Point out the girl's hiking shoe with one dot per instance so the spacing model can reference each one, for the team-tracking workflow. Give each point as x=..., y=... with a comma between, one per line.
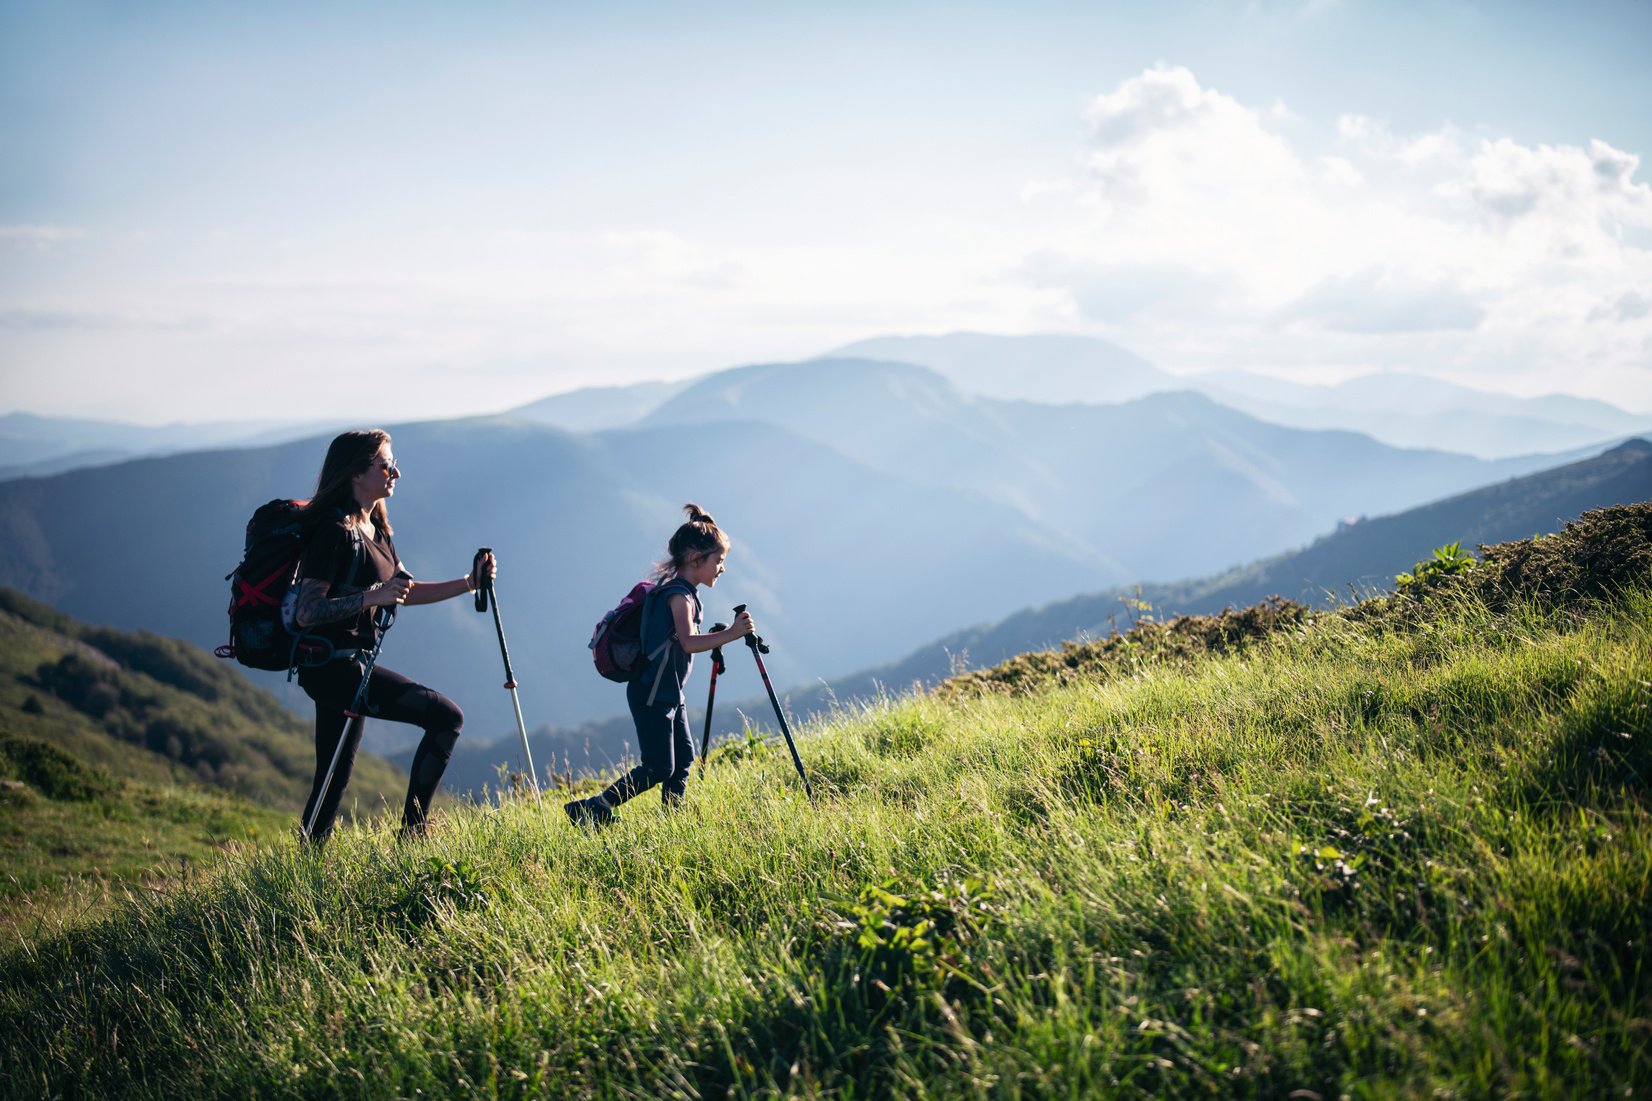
x=592, y=813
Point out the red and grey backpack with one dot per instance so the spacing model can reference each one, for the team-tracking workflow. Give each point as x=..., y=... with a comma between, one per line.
x=617, y=645
x=261, y=592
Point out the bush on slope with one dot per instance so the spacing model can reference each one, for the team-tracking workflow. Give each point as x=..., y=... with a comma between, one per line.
x=1592, y=559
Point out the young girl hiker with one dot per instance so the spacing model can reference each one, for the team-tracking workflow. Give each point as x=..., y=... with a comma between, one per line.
x=672, y=613
x=350, y=568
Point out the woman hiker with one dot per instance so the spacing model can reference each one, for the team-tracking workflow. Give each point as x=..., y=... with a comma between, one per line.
x=349, y=569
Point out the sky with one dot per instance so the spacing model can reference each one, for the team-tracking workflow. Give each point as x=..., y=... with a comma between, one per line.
x=226, y=211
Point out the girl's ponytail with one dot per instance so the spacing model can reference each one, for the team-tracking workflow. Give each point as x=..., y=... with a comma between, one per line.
x=698, y=536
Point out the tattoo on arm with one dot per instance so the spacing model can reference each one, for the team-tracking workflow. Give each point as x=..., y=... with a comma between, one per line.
x=313, y=607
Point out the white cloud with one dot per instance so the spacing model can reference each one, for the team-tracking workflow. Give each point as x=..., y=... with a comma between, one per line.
x=1340, y=171
x=1577, y=186
x=1380, y=302
x=36, y=318
x=1198, y=229
x=40, y=235
x=1117, y=293
x=1161, y=136
x=1200, y=234
x=669, y=257
x=1629, y=306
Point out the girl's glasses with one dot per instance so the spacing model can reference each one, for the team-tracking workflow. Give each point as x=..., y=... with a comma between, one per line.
x=389, y=467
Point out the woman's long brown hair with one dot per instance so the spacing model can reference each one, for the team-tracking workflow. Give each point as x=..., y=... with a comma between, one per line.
x=349, y=454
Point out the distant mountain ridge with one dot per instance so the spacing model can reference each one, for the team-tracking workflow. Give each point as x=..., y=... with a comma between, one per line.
x=855, y=491
x=595, y=408
x=1414, y=411
x=1164, y=486
x=37, y=446
x=1398, y=408
x=1052, y=369
x=1358, y=559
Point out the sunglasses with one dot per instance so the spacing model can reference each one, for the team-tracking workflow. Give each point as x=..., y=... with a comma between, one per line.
x=389, y=467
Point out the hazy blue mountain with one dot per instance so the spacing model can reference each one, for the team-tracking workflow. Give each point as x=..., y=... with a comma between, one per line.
x=1403, y=390
x=1359, y=558
x=32, y=446
x=1166, y=486
x=892, y=416
x=1397, y=408
x=1043, y=368
x=822, y=545
x=597, y=407
x=1414, y=411
x=1481, y=434
x=72, y=460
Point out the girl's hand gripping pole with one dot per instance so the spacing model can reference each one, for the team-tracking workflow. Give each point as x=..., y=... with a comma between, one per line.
x=717, y=668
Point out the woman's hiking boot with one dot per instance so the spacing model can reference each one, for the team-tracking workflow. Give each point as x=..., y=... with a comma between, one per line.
x=590, y=813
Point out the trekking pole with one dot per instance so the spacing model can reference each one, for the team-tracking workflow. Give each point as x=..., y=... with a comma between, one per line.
x=711, y=696
x=758, y=649
x=382, y=619
x=486, y=595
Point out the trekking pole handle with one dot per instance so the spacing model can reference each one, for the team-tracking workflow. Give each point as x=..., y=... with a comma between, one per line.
x=754, y=640
x=477, y=585
x=717, y=651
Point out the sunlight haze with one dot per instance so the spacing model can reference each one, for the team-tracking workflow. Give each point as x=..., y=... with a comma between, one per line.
x=389, y=212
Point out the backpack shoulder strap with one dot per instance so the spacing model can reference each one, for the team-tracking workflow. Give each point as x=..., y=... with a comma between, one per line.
x=358, y=553
x=660, y=656
x=648, y=601
x=676, y=587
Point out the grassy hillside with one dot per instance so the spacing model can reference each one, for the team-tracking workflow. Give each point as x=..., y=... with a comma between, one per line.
x=128, y=758
x=1403, y=850
x=155, y=709
x=75, y=839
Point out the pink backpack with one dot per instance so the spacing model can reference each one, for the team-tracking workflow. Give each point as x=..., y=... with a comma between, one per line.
x=616, y=644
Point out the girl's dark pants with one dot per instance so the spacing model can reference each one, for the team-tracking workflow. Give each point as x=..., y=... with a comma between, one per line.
x=662, y=737
x=389, y=696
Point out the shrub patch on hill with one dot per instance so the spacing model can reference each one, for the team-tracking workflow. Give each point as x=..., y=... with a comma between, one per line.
x=1180, y=641
x=1590, y=561
x=50, y=771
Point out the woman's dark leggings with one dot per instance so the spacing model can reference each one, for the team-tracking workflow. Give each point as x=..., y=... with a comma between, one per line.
x=667, y=749
x=390, y=696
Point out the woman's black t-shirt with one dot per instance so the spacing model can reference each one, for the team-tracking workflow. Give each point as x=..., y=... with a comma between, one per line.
x=333, y=556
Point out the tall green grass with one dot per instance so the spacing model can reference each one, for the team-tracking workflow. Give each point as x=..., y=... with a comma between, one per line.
x=1351, y=860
